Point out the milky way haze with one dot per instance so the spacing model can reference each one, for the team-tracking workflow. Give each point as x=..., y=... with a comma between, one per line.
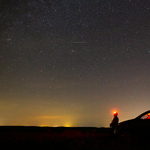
x=71, y=62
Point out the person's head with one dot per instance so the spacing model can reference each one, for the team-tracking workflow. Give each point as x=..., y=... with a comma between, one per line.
x=115, y=115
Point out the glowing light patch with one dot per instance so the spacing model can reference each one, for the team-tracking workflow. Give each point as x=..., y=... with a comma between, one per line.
x=43, y=126
x=115, y=112
x=67, y=125
x=148, y=114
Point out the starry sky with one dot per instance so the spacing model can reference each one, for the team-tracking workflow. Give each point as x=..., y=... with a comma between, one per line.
x=72, y=62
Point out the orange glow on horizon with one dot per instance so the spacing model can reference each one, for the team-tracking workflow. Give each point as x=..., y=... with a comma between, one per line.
x=67, y=125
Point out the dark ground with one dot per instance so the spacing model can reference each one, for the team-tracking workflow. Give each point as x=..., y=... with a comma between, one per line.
x=60, y=138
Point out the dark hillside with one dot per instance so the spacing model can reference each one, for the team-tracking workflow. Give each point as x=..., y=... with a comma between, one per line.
x=20, y=137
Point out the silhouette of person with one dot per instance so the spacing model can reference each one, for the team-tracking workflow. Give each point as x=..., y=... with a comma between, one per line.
x=113, y=124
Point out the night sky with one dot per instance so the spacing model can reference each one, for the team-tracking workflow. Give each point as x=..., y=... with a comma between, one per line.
x=72, y=62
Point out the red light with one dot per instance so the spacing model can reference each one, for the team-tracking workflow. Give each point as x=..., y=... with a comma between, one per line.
x=115, y=112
